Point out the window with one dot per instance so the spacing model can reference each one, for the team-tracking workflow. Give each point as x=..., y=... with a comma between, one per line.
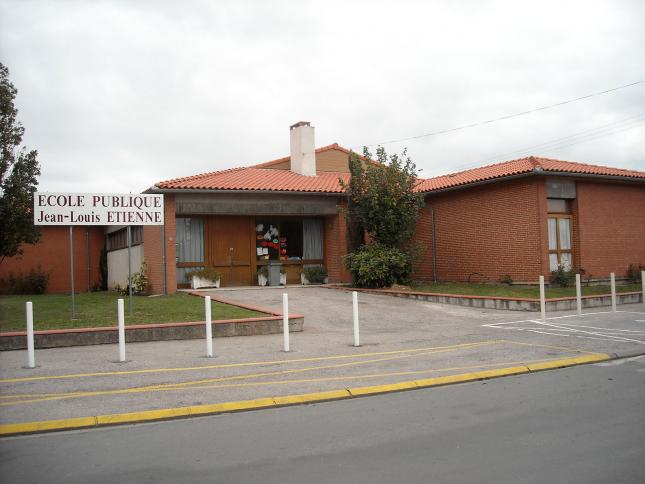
x=119, y=239
x=560, y=252
x=190, y=246
x=289, y=239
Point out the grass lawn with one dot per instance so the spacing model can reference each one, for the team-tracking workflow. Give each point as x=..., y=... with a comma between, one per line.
x=504, y=290
x=53, y=311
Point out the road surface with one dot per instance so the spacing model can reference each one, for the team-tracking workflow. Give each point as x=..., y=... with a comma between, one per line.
x=576, y=425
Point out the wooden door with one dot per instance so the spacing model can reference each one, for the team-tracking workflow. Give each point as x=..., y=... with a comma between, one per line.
x=229, y=249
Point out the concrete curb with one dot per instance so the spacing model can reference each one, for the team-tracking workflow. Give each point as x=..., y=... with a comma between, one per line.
x=7, y=430
x=137, y=333
x=503, y=303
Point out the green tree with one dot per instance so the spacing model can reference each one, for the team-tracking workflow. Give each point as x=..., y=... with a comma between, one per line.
x=382, y=200
x=355, y=228
x=18, y=171
x=382, y=203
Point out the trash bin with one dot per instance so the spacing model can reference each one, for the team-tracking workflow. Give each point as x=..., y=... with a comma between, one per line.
x=274, y=272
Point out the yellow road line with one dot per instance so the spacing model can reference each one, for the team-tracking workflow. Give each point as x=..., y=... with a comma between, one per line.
x=172, y=387
x=168, y=413
x=151, y=388
x=575, y=350
x=234, y=365
x=528, y=364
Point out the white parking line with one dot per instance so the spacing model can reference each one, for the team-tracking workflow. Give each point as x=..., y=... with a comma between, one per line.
x=570, y=329
x=635, y=331
x=553, y=317
x=606, y=335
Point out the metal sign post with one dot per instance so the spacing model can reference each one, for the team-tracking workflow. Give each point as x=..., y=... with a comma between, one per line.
x=129, y=269
x=71, y=268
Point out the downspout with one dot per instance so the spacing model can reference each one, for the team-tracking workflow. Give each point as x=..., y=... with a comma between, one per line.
x=434, y=247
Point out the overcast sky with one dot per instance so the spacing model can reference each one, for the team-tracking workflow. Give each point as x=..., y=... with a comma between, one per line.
x=117, y=95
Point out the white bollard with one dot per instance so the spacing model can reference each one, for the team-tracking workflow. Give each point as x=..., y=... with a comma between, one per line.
x=285, y=321
x=209, y=327
x=578, y=295
x=31, y=357
x=643, y=284
x=542, y=299
x=355, y=314
x=612, y=277
x=121, y=330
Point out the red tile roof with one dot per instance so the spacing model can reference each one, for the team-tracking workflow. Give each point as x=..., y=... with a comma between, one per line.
x=262, y=177
x=252, y=178
x=520, y=167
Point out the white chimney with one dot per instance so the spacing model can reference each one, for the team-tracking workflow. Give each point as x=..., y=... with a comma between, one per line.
x=303, y=149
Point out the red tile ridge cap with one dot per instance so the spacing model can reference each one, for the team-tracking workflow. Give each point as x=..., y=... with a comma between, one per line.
x=626, y=171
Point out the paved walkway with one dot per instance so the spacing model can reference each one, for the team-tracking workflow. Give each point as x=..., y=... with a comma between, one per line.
x=402, y=340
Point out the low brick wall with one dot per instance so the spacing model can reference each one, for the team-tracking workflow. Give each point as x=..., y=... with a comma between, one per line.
x=269, y=324
x=507, y=303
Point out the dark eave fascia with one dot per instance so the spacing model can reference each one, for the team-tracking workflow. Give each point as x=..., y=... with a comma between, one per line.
x=534, y=173
x=629, y=179
x=206, y=191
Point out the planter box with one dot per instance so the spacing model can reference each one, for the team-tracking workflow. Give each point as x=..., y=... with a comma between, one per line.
x=262, y=280
x=198, y=283
x=305, y=282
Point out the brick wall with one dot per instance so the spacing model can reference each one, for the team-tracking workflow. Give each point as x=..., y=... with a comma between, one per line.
x=611, y=226
x=153, y=251
x=52, y=255
x=485, y=232
x=336, y=245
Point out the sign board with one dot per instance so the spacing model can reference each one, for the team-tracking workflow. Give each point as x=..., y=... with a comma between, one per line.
x=97, y=209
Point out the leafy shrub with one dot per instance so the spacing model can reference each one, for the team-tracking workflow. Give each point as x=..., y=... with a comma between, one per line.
x=584, y=275
x=634, y=272
x=139, y=282
x=34, y=282
x=506, y=279
x=378, y=266
x=209, y=273
x=315, y=274
x=140, y=279
x=263, y=271
x=562, y=276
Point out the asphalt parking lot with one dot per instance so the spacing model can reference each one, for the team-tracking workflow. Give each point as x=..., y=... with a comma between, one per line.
x=401, y=340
